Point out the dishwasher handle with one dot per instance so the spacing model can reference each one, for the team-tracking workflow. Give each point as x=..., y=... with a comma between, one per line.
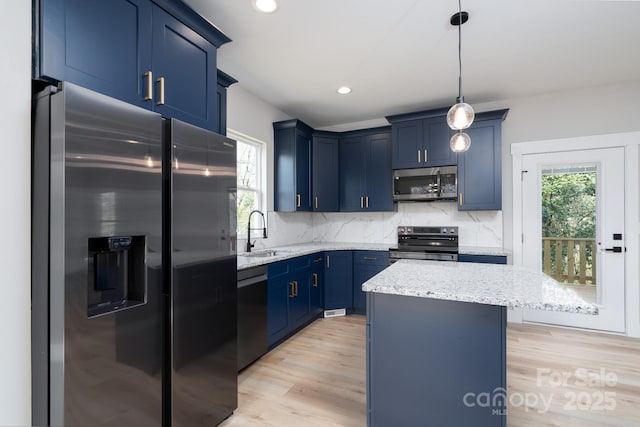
x=252, y=281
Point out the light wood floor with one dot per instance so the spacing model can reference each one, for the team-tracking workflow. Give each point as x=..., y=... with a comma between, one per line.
x=317, y=378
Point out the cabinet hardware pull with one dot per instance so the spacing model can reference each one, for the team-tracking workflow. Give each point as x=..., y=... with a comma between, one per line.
x=317, y=260
x=291, y=292
x=460, y=199
x=316, y=202
x=419, y=161
x=315, y=280
x=149, y=78
x=161, y=92
x=370, y=258
x=328, y=263
x=297, y=200
x=361, y=202
x=366, y=202
x=295, y=288
x=425, y=155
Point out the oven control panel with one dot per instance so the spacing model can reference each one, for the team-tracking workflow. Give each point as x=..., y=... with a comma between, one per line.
x=443, y=231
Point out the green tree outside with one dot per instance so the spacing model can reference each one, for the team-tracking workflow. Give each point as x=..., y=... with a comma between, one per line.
x=569, y=212
x=569, y=205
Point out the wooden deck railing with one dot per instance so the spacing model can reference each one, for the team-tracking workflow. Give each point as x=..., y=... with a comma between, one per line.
x=570, y=260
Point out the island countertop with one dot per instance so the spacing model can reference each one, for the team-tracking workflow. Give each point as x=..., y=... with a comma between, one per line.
x=503, y=285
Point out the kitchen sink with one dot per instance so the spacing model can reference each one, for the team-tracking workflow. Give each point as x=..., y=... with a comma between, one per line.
x=260, y=254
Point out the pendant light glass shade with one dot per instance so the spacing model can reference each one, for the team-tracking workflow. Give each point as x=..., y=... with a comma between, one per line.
x=460, y=116
x=460, y=142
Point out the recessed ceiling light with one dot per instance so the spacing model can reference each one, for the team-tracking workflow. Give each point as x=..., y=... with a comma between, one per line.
x=344, y=90
x=265, y=6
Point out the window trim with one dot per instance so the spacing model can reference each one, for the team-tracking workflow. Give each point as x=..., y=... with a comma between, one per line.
x=261, y=182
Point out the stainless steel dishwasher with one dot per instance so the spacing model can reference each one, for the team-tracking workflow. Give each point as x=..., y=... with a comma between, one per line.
x=252, y=315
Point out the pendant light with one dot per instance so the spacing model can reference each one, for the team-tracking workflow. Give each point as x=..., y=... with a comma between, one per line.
x=460, y=115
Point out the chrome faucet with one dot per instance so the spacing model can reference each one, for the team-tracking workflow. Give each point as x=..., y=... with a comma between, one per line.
x=264, y=229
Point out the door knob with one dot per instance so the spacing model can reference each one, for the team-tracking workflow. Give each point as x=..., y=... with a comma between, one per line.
x=616, y=249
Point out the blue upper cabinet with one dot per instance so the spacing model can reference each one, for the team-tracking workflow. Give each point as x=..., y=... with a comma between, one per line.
x=101, y=45
x=352, y=173
x=407, y=144
x=325, y=180
x=421, y=140
x=185, y=74
x=365, y=171
x=436, y=149
x=292, y=166
x=480, y=168
x=224, y=81
x=379, y=175
x=159, y=55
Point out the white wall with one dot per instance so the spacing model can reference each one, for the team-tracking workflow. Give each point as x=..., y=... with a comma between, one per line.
x=251, y=116
x=15, y=303
x=589, y=111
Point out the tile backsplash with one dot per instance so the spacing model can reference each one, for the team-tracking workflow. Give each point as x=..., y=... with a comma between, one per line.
x=476, y=228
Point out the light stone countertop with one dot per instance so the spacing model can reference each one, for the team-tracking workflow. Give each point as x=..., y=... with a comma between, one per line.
x=292, y=251
x=504, y=285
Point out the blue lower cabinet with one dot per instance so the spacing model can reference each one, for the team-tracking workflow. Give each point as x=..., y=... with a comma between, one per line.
x=278, y=323
x=483, y=259
x=433, y=362
x=299, y=299
x=294, y=295
x=338, y=280
x=317, y=284
x=366, y=264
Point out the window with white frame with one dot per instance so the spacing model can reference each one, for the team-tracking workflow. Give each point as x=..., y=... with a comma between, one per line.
x=251, y=185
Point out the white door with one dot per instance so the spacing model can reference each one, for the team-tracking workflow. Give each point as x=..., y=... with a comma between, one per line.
x=573, y=230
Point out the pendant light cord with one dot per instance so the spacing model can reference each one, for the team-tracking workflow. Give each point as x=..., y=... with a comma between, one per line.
x=460, y=48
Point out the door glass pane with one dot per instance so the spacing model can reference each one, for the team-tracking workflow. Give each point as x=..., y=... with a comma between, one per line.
x=569, y=226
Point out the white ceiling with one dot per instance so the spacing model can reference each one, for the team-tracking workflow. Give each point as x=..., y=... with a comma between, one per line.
x=401, y=55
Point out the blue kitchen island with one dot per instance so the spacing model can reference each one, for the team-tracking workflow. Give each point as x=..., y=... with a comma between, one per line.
x=436, y=339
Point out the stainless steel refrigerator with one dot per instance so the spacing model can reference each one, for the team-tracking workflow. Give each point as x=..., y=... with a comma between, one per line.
x=133, y=266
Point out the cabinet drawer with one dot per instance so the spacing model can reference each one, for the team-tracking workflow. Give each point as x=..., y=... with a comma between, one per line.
x=300, y=263
x=317, y=259
x=371, y=257
x=280, y=268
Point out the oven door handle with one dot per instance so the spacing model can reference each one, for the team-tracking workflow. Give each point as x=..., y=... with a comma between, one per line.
x=447, y=238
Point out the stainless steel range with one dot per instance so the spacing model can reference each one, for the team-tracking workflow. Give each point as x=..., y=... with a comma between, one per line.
x=429, y=243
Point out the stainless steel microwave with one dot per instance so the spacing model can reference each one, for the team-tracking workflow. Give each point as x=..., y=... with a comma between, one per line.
x=424, y=184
